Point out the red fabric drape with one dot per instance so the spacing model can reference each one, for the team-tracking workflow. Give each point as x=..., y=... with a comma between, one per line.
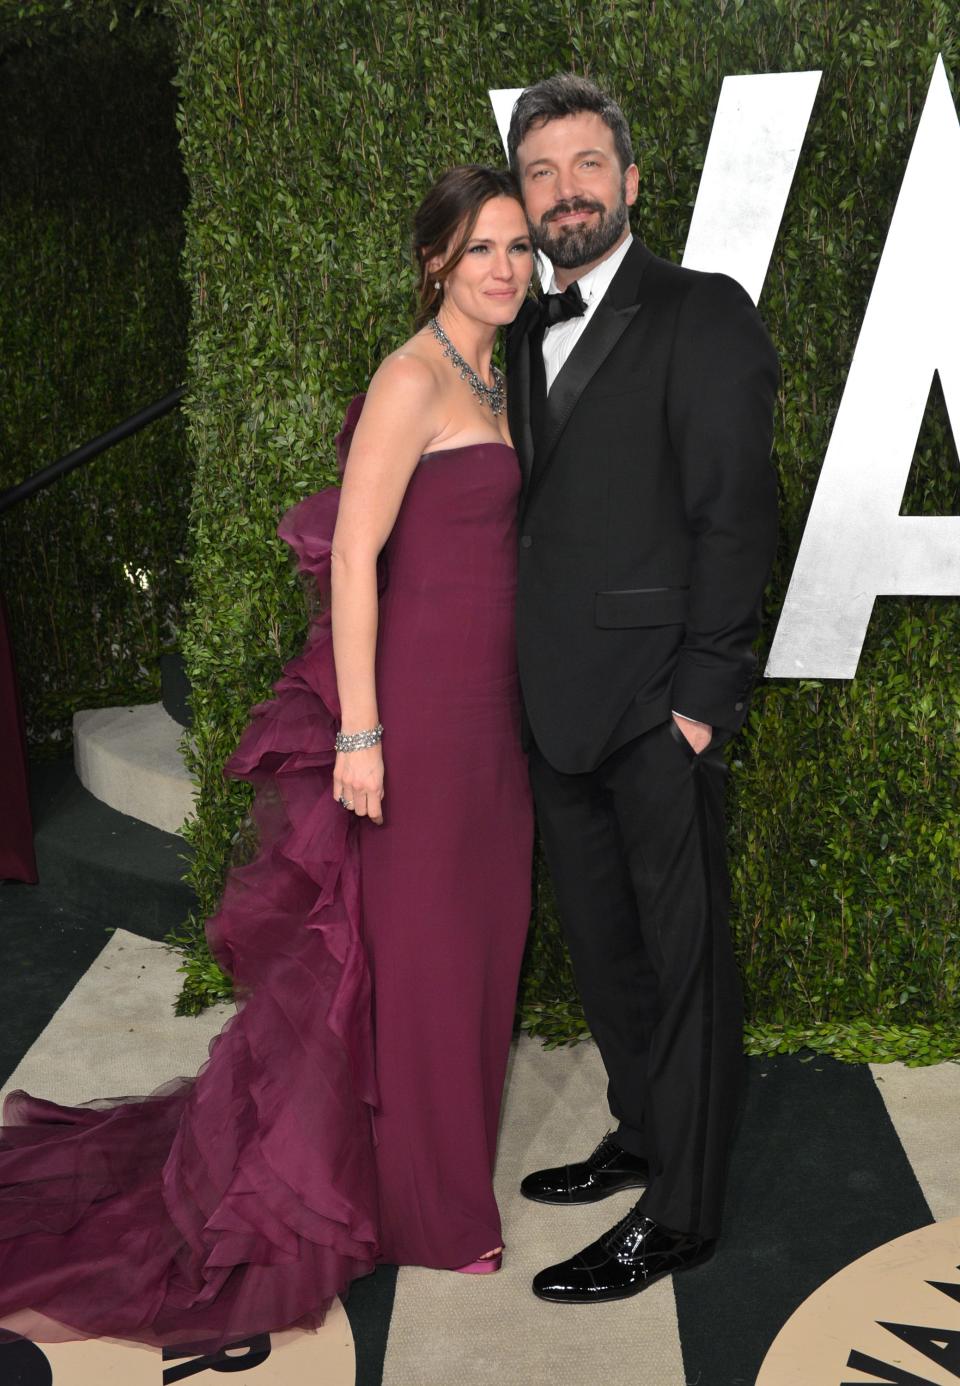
x=17, y=859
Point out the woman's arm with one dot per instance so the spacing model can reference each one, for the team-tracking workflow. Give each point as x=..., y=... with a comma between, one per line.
x=395, y=427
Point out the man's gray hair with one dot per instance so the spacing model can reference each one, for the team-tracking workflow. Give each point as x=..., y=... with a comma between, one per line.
x=567, y=94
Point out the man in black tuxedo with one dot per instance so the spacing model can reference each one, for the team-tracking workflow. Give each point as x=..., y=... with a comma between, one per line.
x=641, y=406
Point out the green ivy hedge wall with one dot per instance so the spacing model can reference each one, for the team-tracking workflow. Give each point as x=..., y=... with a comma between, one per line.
x=93, y=321
x=308, y=133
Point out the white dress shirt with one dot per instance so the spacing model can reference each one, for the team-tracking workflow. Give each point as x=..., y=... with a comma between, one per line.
x=560, y=339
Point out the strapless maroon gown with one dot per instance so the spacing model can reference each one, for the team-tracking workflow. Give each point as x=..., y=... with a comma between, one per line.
x=347, y=1113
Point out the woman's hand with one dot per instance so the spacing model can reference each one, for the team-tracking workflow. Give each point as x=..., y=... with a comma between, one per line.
x=358, y=778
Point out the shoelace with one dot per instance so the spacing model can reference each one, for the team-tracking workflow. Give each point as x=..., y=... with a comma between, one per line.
x=601, y=1154
x=623, y=1235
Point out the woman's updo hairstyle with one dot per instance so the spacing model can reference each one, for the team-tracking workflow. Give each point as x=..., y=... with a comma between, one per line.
x=444, y=223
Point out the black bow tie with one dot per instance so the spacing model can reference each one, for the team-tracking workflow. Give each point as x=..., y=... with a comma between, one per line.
x=556, y=308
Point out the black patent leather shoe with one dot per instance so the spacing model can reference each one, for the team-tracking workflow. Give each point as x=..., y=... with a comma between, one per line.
x=608, y=1170
x=635, y=1253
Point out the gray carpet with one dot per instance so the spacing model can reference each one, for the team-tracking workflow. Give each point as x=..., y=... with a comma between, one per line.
x=116, y=1034
x=488, y=1330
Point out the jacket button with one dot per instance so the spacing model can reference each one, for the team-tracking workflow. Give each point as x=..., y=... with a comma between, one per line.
x=738, y=707
x=526, y=541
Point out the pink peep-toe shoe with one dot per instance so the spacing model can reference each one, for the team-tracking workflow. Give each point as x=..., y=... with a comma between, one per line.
x=486, y=1266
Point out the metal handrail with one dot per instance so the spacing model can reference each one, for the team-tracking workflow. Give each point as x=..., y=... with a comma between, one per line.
x=49, y=474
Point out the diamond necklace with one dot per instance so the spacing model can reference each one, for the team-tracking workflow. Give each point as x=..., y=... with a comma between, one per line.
x=494, y=394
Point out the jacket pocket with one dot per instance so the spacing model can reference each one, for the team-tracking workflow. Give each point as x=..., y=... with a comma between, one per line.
x=641, y=606
x=684, y=744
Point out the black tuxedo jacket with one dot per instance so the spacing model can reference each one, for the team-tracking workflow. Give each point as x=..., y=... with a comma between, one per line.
x=648, y=510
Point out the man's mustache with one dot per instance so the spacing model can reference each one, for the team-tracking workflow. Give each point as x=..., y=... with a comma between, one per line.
x=576, y=204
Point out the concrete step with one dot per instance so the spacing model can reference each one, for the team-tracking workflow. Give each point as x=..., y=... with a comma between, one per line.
x=129, y=758
x=99, y=870
x=119, y=871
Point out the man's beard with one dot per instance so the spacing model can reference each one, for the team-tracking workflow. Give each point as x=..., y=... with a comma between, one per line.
x=573, y=246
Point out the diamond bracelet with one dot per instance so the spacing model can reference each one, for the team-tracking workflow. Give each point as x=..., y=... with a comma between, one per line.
x=358, y=741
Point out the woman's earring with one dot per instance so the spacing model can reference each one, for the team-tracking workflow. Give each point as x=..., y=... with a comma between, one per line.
x=436, y=283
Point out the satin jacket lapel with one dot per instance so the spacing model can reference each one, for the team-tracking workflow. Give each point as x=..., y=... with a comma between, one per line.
x=518, y=386
x=611, y=319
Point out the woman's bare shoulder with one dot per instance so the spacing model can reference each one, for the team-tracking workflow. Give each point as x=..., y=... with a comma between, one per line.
x=404, y=394
x=411, y=369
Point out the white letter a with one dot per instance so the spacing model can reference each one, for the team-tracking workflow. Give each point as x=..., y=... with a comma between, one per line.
x=856, y=545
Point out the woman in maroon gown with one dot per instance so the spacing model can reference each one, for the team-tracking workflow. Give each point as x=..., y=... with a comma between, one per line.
x=347, y=1114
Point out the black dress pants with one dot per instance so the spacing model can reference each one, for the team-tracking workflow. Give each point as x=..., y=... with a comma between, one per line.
x=637, y=853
